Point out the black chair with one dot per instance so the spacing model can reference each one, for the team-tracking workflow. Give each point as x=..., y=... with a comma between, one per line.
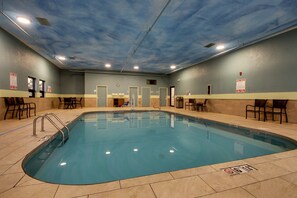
x=61, y=103
x=256, y=108
x=11, y=106
x=201, y=105
x=191, y=104
x=21, y=107
x=278, y=107
x=78, y=102
x=31, y=106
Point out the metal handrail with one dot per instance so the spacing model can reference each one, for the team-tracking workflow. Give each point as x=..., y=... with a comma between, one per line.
x=57, y=118
x=52, y=122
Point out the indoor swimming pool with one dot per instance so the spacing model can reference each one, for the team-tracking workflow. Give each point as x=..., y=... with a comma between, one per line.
x=109, y=146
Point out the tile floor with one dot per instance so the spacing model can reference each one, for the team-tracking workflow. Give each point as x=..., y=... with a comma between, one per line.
x=276, y=175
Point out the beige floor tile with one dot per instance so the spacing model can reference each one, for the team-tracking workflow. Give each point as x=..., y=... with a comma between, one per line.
x=145, y=180
x=34, y=191
x=261, y=159
x=15, y=168
x=79, y=190
x=4, y=168
x=228, y=164
x=287, y=163
x=9, y=181
x=7, y=150
x=138, y=191
x=27, y=181
x=267, y=171
x=292, y=178
x=192, y=171
x=221, y=181
x=234, y=193
x=184, y=187
x=273, y=188
x=287, y=154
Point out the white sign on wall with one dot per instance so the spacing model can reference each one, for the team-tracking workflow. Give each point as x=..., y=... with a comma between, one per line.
x=240, y=85
x=13, y=80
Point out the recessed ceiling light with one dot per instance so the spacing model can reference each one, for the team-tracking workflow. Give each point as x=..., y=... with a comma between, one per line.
x=62, y=58
x=107, y=152
x=24, y=20
x=171, y=151
x=135, y=150
x=63, y=163
x=220, y=47
x=172, y=66
x=107, y=65
x=136, y=67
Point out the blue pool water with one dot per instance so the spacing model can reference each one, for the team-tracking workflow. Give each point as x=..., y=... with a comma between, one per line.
x=112, y=146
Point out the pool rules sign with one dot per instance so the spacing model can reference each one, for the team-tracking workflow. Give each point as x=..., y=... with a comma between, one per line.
x=13, y=80
x=240, y=85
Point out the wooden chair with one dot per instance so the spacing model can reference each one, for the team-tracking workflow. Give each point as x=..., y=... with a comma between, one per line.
x=201, y=105
x=278, y=107
x=61, y=103
x=191, y=104
x=11, y=106
x=256, y=108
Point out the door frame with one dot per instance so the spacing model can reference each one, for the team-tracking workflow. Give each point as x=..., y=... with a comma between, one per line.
x=170, y=99
x=137, y=94
x=106, y=105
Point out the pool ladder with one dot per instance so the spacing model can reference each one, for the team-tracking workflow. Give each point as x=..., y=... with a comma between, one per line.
x=47, y=116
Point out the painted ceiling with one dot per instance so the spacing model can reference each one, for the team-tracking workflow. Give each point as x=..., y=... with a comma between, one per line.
x=153, y=34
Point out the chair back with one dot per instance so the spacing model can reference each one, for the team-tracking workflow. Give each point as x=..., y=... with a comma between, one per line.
x=9, y=101
x=19, y=101
x=192, y=100
x=279, y=103
x=260, y=103
x=205, y=101
x=60, y=99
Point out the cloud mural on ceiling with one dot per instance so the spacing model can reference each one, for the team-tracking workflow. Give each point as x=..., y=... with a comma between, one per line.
x=153, y=34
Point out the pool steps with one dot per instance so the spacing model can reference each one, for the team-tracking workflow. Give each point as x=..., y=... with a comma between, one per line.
x=47, y=116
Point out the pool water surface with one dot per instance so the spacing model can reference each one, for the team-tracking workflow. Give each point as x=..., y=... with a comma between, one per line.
x=108, y=146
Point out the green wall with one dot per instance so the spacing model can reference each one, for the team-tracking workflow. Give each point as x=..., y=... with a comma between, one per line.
x=119, y=83
x=72, y=82
x=268, y=66
x=20, y=59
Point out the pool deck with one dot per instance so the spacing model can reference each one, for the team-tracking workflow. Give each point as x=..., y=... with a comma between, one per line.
x=276, y=174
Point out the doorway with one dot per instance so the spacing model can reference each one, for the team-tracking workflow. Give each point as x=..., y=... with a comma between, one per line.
x=101, y=96
x=133, y=96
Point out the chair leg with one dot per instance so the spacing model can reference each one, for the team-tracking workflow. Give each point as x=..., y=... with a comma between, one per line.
x=286, y=115
x=281, y=116
x=7, y=112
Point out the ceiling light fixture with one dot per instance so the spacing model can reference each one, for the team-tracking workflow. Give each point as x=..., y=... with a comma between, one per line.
x=24, y=20
x=172, y=66
x=136, y=67
x=62, y=58
x=220, y=47
x=108, y=65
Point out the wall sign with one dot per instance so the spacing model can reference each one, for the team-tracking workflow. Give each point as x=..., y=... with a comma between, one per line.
x=13, y=80
x=49, y=88
x=240, y=85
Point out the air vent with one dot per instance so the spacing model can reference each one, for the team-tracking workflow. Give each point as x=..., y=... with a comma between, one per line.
x=209, y=45
x=43, y=21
